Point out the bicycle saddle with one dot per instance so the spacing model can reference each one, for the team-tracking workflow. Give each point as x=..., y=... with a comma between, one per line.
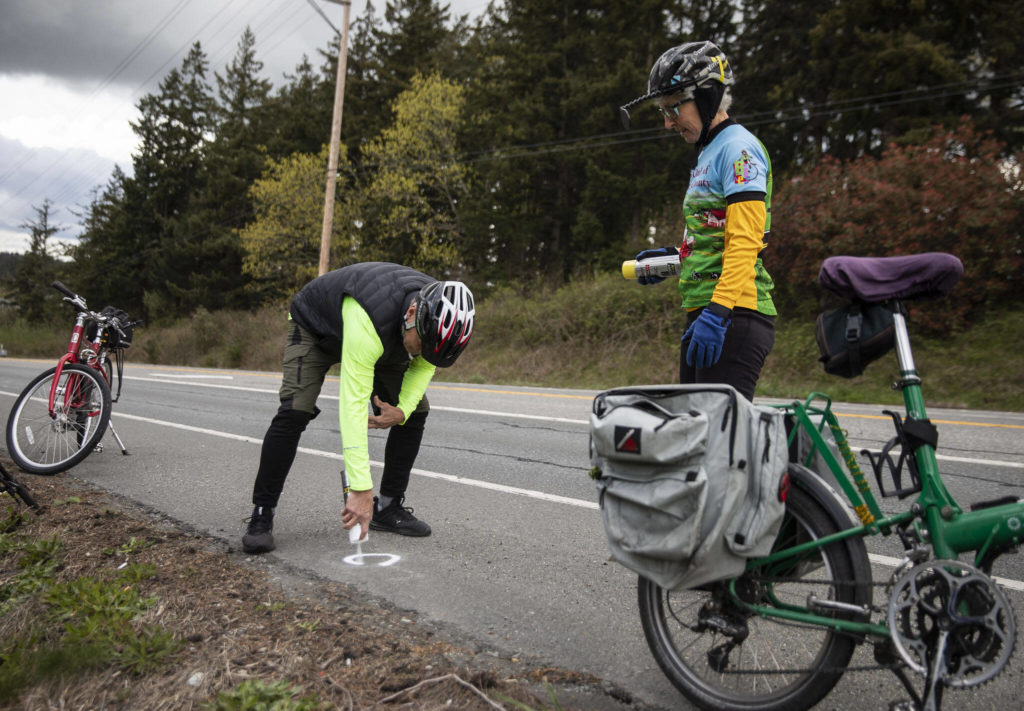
x=874, y=279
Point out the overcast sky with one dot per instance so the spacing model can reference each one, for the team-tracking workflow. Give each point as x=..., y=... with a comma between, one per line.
x=72, y=71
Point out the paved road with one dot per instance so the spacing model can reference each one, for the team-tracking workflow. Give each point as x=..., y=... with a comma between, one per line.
x=518, y=560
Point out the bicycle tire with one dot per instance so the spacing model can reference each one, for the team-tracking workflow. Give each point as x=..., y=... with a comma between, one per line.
x=753, y=678
x=41, y=444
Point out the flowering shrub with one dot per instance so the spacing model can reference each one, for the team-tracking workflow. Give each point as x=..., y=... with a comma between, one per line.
x=958, y=192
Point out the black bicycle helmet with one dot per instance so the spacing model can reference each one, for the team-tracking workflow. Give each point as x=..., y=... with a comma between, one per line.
x=698, y=71
x=444, y=321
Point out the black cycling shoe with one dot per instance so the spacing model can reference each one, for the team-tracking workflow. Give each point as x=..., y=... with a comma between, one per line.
x=397, y=519
x=259, y=537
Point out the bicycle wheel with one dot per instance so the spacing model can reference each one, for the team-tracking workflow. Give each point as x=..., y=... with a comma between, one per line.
x=45, y=444
x=722, y=657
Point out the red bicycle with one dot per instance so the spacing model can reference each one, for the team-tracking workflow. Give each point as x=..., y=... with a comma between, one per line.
x=63, y=413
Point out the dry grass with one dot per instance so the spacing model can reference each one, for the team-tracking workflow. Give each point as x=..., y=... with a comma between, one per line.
x=235, y=624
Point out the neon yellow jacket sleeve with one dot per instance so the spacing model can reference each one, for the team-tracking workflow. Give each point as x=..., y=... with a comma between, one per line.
x=414, y=385
x=744, y=239
x=360, y=350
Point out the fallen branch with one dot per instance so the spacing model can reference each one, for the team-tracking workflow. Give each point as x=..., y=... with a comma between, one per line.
x=448, y=677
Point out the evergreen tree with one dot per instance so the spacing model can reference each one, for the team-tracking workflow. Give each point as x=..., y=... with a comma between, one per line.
x=845, y=79
x=300, y=113
x=108, y=253
x=414, y=37
x=37, y=269
x=204, y=259
x=548, y=76
x=169, y=174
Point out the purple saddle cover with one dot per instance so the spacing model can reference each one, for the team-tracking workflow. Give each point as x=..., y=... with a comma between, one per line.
x=874, y=279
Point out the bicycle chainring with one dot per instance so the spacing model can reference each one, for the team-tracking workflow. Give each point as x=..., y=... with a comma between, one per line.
x=952, y=606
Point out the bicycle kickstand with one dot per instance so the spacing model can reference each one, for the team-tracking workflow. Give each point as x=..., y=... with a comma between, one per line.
x=110, y=426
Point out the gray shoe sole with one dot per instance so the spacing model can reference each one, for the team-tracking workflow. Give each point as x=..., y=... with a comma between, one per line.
x=258, y=544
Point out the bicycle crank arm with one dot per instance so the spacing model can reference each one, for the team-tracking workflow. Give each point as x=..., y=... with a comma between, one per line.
x=933, y=684
x=818, y=605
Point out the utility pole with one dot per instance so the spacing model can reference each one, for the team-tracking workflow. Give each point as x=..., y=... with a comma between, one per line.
x=332, y=162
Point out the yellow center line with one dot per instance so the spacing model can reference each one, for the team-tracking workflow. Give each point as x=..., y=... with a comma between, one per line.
x=565, y=396
x=841, y=415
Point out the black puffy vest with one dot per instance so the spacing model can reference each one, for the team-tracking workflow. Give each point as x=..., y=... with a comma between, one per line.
x=383, y=289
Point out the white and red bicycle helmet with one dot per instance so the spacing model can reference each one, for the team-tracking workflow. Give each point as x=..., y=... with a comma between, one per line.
x=444, y=321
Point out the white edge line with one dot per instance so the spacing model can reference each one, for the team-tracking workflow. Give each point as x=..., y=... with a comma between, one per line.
x=544, y=418
x=530, y=493
x=189, y=376
x=887, y=561
x=891, y=562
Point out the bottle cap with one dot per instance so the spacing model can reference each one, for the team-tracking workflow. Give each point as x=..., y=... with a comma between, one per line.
x=354, y=533
x=629, y=269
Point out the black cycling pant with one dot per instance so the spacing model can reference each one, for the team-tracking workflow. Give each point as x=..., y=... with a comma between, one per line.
x=748, y=341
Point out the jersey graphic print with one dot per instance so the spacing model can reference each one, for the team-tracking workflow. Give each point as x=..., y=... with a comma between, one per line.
x=744, y=169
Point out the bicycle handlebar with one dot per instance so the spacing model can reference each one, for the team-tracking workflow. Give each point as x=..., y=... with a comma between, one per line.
x=64, y=290
x=79, y=303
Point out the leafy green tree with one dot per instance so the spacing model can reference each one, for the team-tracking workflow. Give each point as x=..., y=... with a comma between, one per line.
x=413, y=181
x=413, y=37
x=37, y=269
x=282, y=245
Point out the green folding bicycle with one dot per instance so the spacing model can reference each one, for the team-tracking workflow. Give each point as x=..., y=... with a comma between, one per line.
x=782, y=635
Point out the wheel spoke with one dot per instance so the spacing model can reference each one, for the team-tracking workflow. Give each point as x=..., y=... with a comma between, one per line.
x=723, y=657
x=43, y=444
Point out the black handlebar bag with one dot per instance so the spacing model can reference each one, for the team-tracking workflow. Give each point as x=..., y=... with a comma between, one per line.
x=115, y=339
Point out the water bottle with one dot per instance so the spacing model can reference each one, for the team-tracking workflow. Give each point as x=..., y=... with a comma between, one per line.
x=666, y=266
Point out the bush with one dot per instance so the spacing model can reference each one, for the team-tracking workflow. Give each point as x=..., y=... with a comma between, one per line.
x=956, y=193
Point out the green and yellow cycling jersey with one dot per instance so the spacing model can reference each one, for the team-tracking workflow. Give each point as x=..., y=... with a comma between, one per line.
x=728, y=217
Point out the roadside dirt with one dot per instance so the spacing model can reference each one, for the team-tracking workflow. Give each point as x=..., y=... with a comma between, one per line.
x=241, y=618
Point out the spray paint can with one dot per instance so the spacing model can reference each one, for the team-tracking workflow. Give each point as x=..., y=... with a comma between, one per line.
x=664, y=266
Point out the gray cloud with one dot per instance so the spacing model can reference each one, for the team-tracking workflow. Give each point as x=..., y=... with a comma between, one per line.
x=90, y=42
x=65, y=177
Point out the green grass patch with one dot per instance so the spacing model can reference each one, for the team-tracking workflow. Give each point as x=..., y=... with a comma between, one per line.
x=257, y=695
x=54, y=628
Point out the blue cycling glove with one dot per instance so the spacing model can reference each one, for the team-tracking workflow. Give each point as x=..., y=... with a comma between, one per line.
x=706, y=336
x=659, y=252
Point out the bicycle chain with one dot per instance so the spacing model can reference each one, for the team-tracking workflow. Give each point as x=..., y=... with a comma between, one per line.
x=894, y=667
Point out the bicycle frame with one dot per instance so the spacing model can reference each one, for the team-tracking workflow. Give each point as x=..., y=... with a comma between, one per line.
x=936, y=519
x=71, y=356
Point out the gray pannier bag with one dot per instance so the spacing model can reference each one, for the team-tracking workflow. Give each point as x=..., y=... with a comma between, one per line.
x=689, y=480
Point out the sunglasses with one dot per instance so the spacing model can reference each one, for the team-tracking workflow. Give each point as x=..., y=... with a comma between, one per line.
x=673, y=108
